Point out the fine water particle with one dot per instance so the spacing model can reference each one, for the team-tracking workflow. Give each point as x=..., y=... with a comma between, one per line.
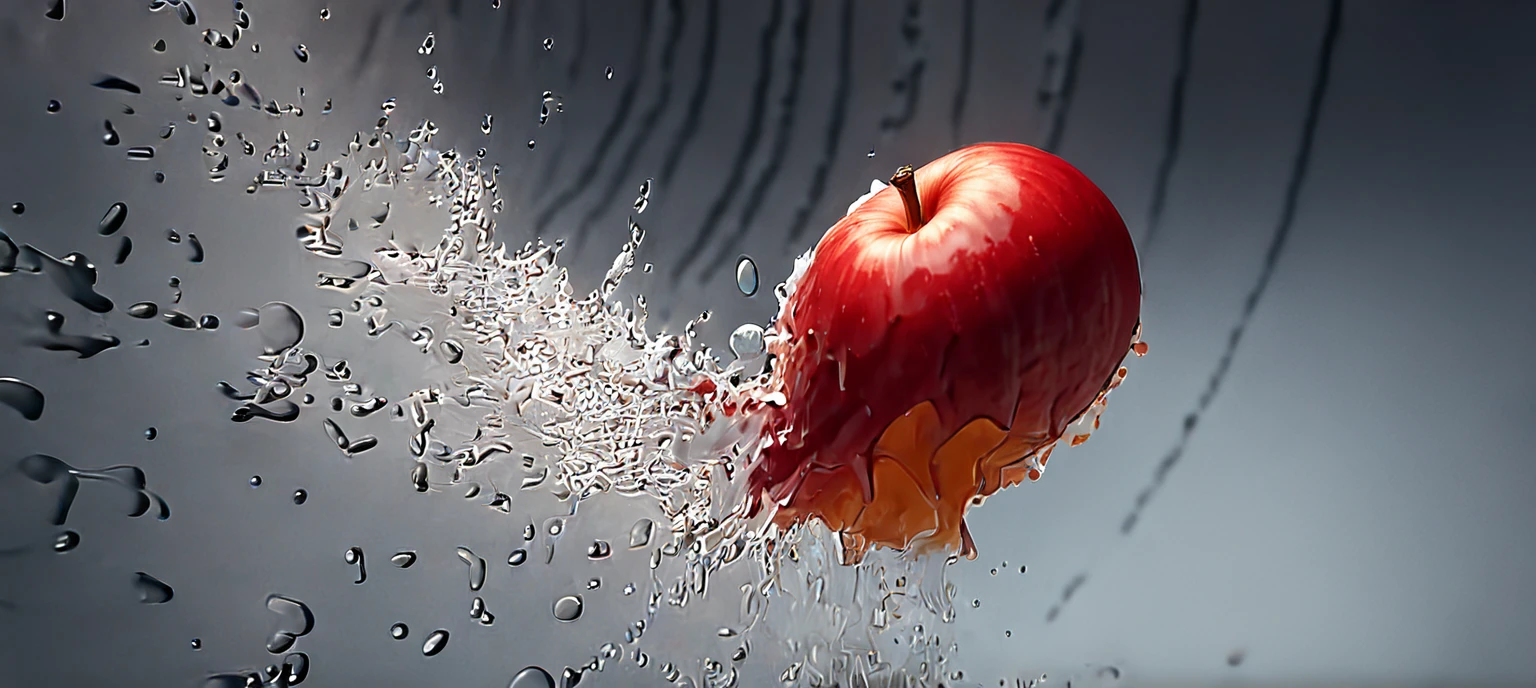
x=871, y=153
x=568, y=608
x=55, y=106
x=66, y=541
x=399, y=631
x=325, y=13
x=151, y=590
x=435, y=642
x=532, y=677
x=22, y=396
x=18, y=208
x=1236, y=657
x=300, y=496
x=403, y=560
x=197, y=643
x=608, y=72
x=746, y=276
x=151, y=433
x=549, y=44
x=531, y=144
x=302, y=52
x=255, y=481
x=113, y=220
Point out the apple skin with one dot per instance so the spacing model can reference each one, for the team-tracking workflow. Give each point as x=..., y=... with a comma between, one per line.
x=921, y=370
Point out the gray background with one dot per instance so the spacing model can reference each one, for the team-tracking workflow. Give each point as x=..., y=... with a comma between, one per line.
x=1352, y=507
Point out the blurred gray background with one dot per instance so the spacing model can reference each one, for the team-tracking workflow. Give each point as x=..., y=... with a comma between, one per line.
x=1321, y=473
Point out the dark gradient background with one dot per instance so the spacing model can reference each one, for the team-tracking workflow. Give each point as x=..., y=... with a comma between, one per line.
x=1322, y=473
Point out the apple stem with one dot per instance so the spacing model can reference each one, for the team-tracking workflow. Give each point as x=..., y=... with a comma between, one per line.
x=906, y=184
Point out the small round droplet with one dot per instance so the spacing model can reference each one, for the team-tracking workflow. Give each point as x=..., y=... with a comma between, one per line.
x=208, y=322
x=197, y=643
x=747, y=341
x=549, y=44
x=403, y=560
x=325, y=13
x=159, y=46
x=517, y=557
x=568, y=608
x=435, y=642
x=54, y=106
x=150, y=433
x=300, y=496
x=255, y=481
x=18, y=208
x=66, y=541
x=975, y=604
x=871, y=153
x=746, y=276
x=608, y=72
x=1023, y=569
x=351, y=555
x=530, y=144
x=532, y=677
x=399, y=631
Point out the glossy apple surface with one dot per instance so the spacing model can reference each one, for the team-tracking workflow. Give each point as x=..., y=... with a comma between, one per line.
x=925, y=367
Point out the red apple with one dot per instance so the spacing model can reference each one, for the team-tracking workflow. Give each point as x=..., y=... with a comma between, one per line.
x=942, y=338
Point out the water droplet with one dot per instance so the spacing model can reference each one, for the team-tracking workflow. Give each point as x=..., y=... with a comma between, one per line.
x=629, y=589
x=517, y=557
x=197, y=248
x=435, y=642
x=549, y=44
x=294, y=619
x=143, y=310
x=532, y=677
x=141, y=153
x=54, y=106
x=432, y=72
x=1236, y=657
x=871, y=153
x=110, y=138
x=300, y=496
x=22, y=396
x=403, y=559
x=325, y=13
x=354, y=557
x=159, y=46
x=112, y=83
x=476, y=567
x=18, y=208
x=56, y=11
x=151, y=433
x=608, y=72
x=113, y=220
x=334, y=318
x=640, y=533
x=1023, y=569
x=531, y=144
x=746, y=275
x=279, y=325
x=66, y=541
x=208, y=322
x=485, y=124
x=594, y=583
x=747, y=341
x=599, y=549
x=197, y=643
x=975, y=604
x=427, y=45
x=302, y=52
x=255, y=481
x=568, y=608
x=151, y=590
x=399, y=631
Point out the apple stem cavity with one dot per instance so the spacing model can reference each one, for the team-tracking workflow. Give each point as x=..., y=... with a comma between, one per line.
x=906, y=184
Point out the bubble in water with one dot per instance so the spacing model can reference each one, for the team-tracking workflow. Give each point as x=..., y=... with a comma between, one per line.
x=435, y=642
x=746, y=275
x=66, y=541
x=549, y=44
x=568, y=608
x=403, y=559
x=302, y=52
x=300, y=496
x=532, y=677
x=22, y=397
x=54, y=106
x=151, y=590
x=399, y=631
